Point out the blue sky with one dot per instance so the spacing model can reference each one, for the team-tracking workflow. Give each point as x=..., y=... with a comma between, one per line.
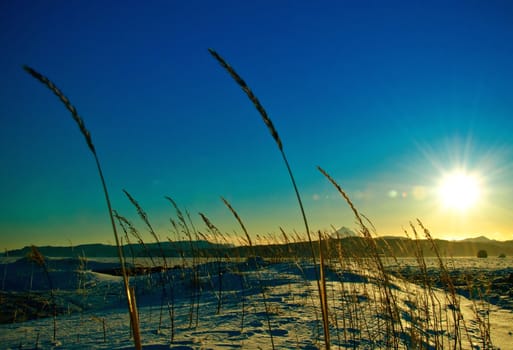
x=386, y=96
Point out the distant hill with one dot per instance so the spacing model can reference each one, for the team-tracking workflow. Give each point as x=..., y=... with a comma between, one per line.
x=352, y=246
x=349, y=245
x=172, y=249
x=401, y=247
x=480, y=239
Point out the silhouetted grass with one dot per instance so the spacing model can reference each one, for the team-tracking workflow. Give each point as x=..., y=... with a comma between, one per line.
x=276, y=137
x=132, y=307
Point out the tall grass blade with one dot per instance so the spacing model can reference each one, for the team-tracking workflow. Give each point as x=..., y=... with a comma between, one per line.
x=276, y=137
x=50, y=85
x=251, y=96
x=324, y=295
x=87, y=135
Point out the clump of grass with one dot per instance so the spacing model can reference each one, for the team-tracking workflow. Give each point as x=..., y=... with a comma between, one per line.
x=132, y=307
x=216, y=233
x=219, y=238
x=389, y=300
x=262, y=289
x=189, y=232
x=36, y=256
x=163, y=275
x=454, y=301
x=429, y=301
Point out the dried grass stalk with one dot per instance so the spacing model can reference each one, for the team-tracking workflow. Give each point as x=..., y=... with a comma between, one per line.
x=277, y=139
x=87, y=135
x=251, y=96
x=50, y=85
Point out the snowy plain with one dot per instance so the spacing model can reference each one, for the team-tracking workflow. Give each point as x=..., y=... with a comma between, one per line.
x=247, y=304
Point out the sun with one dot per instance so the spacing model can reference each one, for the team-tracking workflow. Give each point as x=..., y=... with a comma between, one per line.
x=459, y=190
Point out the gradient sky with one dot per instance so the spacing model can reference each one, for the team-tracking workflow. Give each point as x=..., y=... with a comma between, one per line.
x=387, y=96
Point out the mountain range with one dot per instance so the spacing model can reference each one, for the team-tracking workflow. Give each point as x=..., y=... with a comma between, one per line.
x=344, y=241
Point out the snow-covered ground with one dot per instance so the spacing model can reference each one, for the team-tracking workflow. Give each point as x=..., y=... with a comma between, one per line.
x=247, y=304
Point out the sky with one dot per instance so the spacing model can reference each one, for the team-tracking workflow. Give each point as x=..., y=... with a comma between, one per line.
x=391, y=98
